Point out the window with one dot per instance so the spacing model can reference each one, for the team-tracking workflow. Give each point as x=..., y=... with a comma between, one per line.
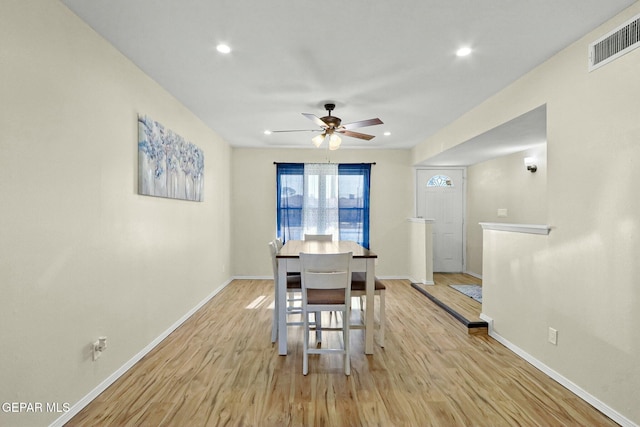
x=440, y=181
x=307, y=201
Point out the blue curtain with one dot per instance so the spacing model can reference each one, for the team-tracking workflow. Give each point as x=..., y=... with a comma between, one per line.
x=290, y=196
x=353, y=187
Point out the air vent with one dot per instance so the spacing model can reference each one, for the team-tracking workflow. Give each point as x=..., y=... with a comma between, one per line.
x=613, y=45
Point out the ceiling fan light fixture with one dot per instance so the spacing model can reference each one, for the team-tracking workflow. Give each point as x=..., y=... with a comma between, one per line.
x=317, y=140
x=334, y=142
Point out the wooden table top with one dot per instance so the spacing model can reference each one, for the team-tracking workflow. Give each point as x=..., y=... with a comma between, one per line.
x=293, y=248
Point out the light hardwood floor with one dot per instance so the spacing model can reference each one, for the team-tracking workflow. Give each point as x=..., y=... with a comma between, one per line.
x=469, y=308
x=220, y=368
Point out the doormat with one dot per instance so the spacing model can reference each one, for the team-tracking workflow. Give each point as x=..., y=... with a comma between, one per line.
x=472, y=291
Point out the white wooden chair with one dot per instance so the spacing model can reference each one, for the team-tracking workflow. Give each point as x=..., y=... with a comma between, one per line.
x=294, y=296
x=358, y=289
x=326, y=286
x=278, y=242
x=318, y=237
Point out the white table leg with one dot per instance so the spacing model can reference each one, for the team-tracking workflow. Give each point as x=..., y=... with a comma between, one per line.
x=369, y=320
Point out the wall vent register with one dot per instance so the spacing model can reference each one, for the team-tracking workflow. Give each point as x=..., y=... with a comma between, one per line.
x=614, y=44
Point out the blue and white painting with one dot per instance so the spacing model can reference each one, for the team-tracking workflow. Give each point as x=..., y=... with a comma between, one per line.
x=169, y=166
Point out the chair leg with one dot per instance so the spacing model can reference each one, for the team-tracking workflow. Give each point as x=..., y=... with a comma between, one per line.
x=345, y=334
x=318, y=323
x=274, y=326
x=305, y=344
x=383, y=318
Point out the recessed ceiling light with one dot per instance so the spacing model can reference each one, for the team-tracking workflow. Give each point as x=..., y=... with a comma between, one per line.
x=267, y=132
x=223, y=48
x=463, y=51
x=387, y=133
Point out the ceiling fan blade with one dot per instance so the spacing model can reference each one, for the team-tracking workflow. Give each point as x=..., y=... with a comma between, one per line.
x=362, y=123
x=297, y=130
x=315, y=119
x=356, y=134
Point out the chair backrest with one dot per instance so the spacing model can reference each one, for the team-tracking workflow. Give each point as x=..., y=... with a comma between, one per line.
x=273, y=250
x=319, y=237
x=278, y=242
x=326, y=271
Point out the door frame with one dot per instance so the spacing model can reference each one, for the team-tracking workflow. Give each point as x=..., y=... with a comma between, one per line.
x=464, y=202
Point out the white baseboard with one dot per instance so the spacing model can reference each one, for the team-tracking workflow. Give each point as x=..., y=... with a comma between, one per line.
x=414, y=280
x=476, y=275
x=489, y=321
x=571, y=386
x=78, y=406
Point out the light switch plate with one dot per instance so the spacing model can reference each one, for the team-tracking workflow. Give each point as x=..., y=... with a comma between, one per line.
x=502, y=213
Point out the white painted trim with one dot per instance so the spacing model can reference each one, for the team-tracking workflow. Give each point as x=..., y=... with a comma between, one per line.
x=489, y=321
x=419, y=282
x=477, y=276
x=574, y=388
x=78, y=406
x=253, y=277
x=517, y=228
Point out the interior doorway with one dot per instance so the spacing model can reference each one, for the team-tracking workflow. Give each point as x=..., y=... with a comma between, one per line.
x=440, y=196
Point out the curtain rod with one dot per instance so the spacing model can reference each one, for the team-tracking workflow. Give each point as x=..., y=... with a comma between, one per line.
x=284, y=163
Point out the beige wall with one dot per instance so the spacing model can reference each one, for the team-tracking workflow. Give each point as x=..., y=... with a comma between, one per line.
x=81, y=254
x=504, y=183
x=254, y=204
x=582, y=279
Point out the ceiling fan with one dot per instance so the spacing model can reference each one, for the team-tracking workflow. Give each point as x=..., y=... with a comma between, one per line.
x=330, y=126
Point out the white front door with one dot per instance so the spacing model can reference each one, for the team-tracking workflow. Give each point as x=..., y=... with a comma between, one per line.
x=439, y=195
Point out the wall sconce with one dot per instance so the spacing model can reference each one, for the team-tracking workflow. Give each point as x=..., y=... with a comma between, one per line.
x=529, y=162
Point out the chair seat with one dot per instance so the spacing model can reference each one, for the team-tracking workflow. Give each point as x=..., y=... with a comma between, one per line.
x=359, y=283
x=294, y=282
x=325, y=296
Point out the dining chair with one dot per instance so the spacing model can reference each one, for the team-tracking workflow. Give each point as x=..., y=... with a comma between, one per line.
x=278, y=242
x=326, y=286
x=318, y=237
x=294, y=296
x=359, y=289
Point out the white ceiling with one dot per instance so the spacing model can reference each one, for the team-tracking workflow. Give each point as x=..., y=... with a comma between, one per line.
x=392, y=60
x=523, y=132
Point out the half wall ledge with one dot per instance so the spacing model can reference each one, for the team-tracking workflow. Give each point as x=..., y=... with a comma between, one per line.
x=517, y=228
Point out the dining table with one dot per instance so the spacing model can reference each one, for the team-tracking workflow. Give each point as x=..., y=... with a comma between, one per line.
x=288, y=259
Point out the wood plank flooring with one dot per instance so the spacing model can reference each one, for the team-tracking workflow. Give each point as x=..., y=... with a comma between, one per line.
x=220, y=368
x=465, y=306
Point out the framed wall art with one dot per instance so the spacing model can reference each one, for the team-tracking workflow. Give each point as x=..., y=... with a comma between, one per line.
x=168, y=166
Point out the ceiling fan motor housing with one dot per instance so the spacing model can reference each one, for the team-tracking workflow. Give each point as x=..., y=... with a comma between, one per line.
x=331, y=121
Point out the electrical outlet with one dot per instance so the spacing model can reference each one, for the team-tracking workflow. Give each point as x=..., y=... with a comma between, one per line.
x=553, y=336
x=96, y=351
x=502, y=213
x=98, y=347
